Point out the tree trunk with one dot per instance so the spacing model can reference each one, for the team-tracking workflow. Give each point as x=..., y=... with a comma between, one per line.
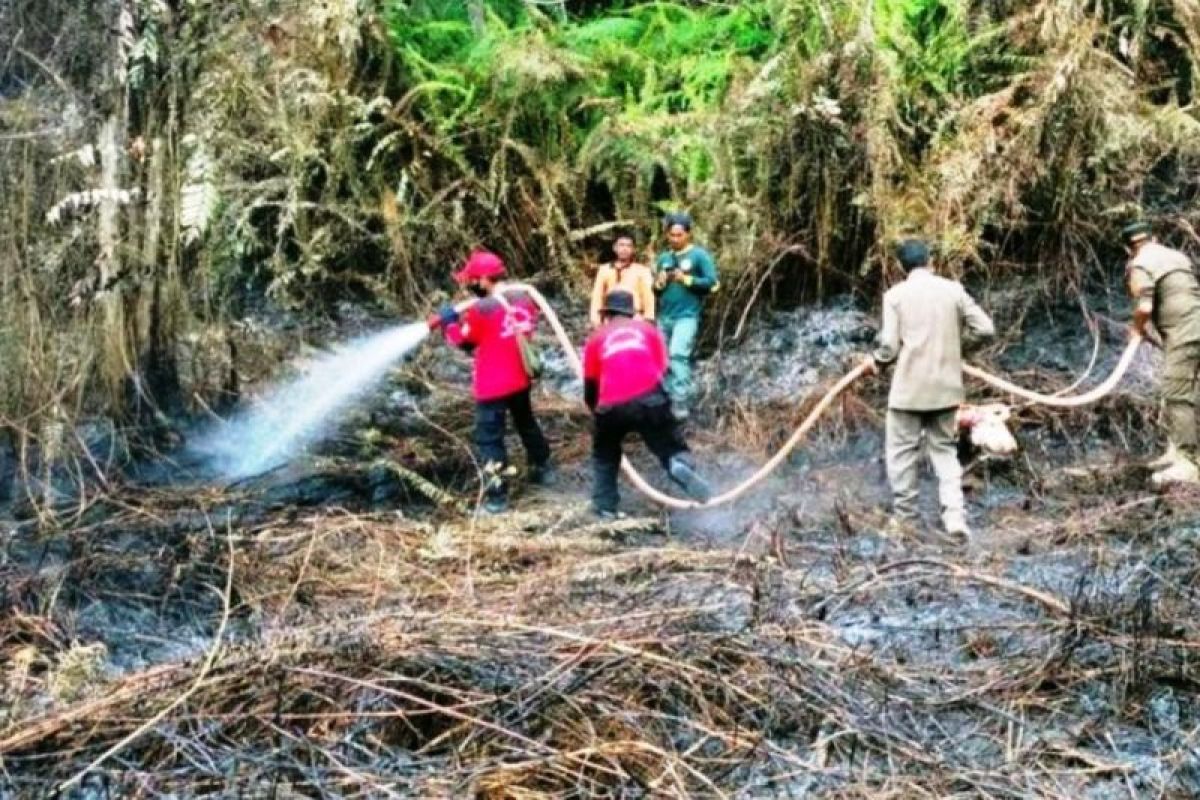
x=478, y=16
x=158, y=360
x=116, y=352
x=115, y=363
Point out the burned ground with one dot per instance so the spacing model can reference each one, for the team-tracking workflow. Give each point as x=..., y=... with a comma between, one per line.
x=342, y=628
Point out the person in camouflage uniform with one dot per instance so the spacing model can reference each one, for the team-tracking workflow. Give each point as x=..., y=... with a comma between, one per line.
x=1167, y=295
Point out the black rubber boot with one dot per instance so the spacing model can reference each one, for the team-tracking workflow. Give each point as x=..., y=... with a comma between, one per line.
x=682, y=473
x=495, y=504
x=544, y=474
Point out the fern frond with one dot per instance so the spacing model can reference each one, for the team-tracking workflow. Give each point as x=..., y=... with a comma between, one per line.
x=126, y=41
x=198, y=198
x=424, y=486
x=85, y=156
x=77, y=202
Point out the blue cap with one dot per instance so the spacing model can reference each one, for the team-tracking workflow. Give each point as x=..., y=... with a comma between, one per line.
x=680, y=218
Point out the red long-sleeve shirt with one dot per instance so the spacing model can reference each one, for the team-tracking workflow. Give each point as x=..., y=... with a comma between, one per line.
x=491, y=330
x=627, y=359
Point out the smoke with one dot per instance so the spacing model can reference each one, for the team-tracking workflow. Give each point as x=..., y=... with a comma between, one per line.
x=303, y=411
x=730, y=523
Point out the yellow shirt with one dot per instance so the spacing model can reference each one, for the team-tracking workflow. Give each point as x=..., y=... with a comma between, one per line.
x=634, y=278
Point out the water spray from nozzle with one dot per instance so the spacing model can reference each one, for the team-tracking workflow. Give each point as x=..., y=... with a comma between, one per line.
x=305, y=410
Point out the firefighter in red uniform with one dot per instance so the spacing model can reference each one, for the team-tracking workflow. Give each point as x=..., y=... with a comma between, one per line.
x=489, y=330
x=624, y=361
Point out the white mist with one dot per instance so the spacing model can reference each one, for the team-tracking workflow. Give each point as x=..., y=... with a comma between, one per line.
x=300, y=413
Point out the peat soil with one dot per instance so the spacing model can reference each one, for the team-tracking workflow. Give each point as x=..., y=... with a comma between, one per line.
x=348, y=626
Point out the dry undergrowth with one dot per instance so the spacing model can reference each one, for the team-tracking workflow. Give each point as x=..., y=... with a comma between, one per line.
x=544, y=654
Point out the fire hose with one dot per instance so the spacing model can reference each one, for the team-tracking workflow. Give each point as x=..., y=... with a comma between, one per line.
x=640, y=483
x=1059, y=401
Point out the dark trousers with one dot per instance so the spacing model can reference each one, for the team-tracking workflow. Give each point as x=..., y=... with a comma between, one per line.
x=650, y=417
x=490, y=419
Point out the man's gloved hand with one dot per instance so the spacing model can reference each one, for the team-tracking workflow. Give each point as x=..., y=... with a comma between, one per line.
x=870, y=367
x=448, y=314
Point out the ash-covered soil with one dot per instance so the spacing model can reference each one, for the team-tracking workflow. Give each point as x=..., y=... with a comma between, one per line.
x=346, y=627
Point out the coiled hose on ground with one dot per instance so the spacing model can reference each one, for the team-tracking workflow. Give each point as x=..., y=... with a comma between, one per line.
x=1055, y=401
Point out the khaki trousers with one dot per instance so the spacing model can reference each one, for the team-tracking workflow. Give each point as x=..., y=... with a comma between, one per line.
x=904, y=430
x=1181, y=369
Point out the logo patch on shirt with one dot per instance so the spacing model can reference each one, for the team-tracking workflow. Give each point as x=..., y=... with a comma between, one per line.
x=620, y=341
x=517, y=320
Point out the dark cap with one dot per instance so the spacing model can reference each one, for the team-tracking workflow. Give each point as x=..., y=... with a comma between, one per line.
x=618, y=301
x=1134, y=233
x=913, y=253
x=680, y=218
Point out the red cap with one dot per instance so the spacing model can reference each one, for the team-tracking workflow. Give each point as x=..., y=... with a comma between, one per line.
x=481, y=264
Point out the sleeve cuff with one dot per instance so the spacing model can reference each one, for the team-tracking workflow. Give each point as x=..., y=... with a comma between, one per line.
x=882, y=358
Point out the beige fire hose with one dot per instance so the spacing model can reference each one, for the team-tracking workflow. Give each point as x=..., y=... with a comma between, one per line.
x=806, y=425
x=1058, y=401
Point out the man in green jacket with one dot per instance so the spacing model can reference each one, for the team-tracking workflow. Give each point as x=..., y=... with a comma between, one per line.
x=1166, y=293
x=684, y=275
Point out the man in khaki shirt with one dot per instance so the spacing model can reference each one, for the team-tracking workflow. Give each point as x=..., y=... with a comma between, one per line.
x=1166, y=293
x=925, y=321
x=624, y=273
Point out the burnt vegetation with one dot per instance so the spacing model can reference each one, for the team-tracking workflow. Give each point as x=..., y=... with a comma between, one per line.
x=192, y=193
